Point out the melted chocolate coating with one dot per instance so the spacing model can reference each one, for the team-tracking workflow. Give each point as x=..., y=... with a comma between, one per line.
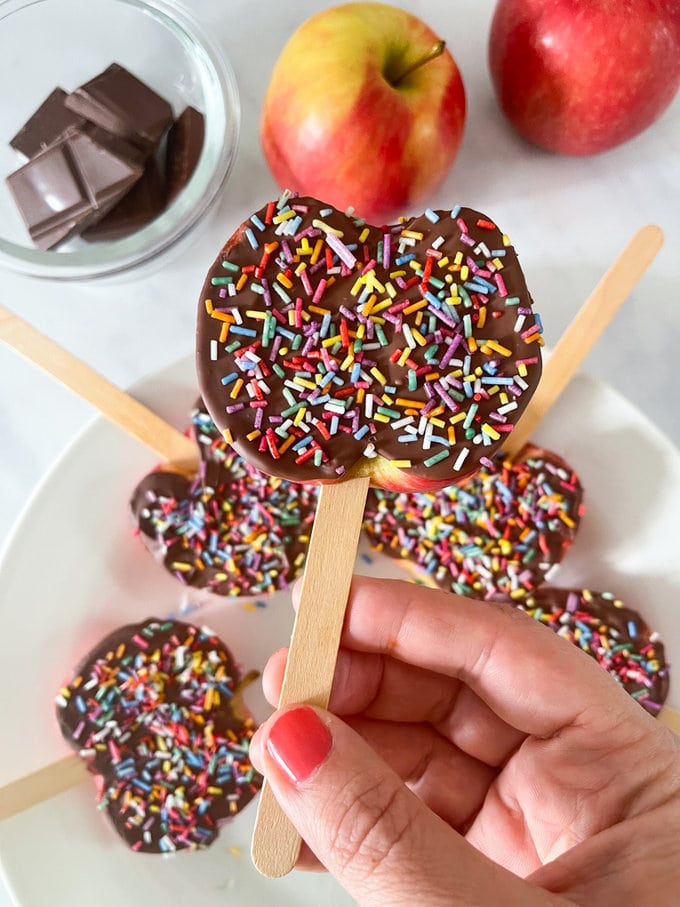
x=617, y=637
x=229, y=528
x=496, y=535
x=151, y=711
x=323, y=341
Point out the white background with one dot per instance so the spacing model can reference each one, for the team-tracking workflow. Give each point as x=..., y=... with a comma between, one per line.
x=568, y=218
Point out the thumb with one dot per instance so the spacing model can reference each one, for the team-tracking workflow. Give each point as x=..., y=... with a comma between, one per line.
x=366, y=827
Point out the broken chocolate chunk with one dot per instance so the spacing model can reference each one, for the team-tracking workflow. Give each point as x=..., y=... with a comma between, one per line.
x=48, y=124
x=142, y=204
x=185, y=142
x=123, y=105
x=70, y=185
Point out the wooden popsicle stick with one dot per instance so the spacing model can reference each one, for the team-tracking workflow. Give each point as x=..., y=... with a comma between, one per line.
x=313, y=647
x=45, y=782
x=585, y=330
x=671, y=719
x=117, y=406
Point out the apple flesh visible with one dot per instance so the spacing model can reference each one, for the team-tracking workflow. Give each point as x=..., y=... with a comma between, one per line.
x=342, y=122
x=582, y=76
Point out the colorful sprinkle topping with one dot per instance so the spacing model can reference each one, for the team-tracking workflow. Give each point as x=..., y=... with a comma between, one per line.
x=616, y=636
x=496, y=535
x=151, y=710
x=323, y=340
x=230, y=529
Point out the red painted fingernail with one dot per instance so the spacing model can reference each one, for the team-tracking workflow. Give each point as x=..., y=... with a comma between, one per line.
x=299, y=742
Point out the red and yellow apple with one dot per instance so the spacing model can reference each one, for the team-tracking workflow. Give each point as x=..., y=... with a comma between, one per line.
x=582, y=76
x=365, y=108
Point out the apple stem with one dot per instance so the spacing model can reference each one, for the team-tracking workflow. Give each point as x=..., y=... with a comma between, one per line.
x=435, y=51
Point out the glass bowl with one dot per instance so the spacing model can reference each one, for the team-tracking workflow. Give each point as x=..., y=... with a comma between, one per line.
x=49, y=43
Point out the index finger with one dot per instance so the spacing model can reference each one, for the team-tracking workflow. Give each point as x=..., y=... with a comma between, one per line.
x=527, y=675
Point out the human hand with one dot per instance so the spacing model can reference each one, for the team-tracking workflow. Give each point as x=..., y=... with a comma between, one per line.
x=531, y=777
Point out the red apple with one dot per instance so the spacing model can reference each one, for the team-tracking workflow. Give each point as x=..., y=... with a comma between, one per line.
x=582, y=76
x=365, y=108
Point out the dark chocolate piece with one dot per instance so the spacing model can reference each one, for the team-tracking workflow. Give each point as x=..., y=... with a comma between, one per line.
x=152, y=710
x=122, y=104
x=185, y=142
x=114, y=144
x=69, y=185
x=616, y=636
x=142, y=204
x=48, y=125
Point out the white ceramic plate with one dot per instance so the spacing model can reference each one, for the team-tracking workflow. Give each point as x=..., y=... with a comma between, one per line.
x=73, y=571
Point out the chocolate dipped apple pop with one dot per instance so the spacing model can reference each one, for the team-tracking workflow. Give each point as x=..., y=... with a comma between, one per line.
x=616, y=636
x=335, y=352
x=152, y=710
x=229, y=528
x=499, y=534
x=328, y=348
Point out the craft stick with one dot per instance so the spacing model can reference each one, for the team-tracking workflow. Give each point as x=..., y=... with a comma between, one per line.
x=117, y=406
x=313, y=647
x=585, y=330
x=46, y=782
x=671, y=719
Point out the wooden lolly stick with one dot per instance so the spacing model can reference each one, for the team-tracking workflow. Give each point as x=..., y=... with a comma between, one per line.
x=313, y=647
x=117, y=406
x=671, y=719
x=585, y=330
x=45, y=782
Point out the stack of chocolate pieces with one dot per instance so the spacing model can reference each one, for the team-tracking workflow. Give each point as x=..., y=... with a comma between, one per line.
x=103, y=161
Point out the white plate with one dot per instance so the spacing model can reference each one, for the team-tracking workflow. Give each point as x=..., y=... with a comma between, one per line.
x=73, y=571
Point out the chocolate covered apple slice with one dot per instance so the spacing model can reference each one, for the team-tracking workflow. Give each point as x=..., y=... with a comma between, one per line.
x=153, y=712
x=497, y=535
x=230, y=528
x=617, y=636
x=329, y=348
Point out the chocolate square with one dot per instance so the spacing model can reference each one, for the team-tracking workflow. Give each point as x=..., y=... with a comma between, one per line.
x=142, y=204
x=122, y=104
x=47, y=125
x=69, y=186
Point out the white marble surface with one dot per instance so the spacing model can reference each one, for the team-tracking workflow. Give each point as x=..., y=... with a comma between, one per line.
x=567, y=217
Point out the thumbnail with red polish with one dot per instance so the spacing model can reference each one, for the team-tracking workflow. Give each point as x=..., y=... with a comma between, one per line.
x=299, y=742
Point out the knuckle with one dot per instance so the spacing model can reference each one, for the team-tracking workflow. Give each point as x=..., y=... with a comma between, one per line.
x=370, y=819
